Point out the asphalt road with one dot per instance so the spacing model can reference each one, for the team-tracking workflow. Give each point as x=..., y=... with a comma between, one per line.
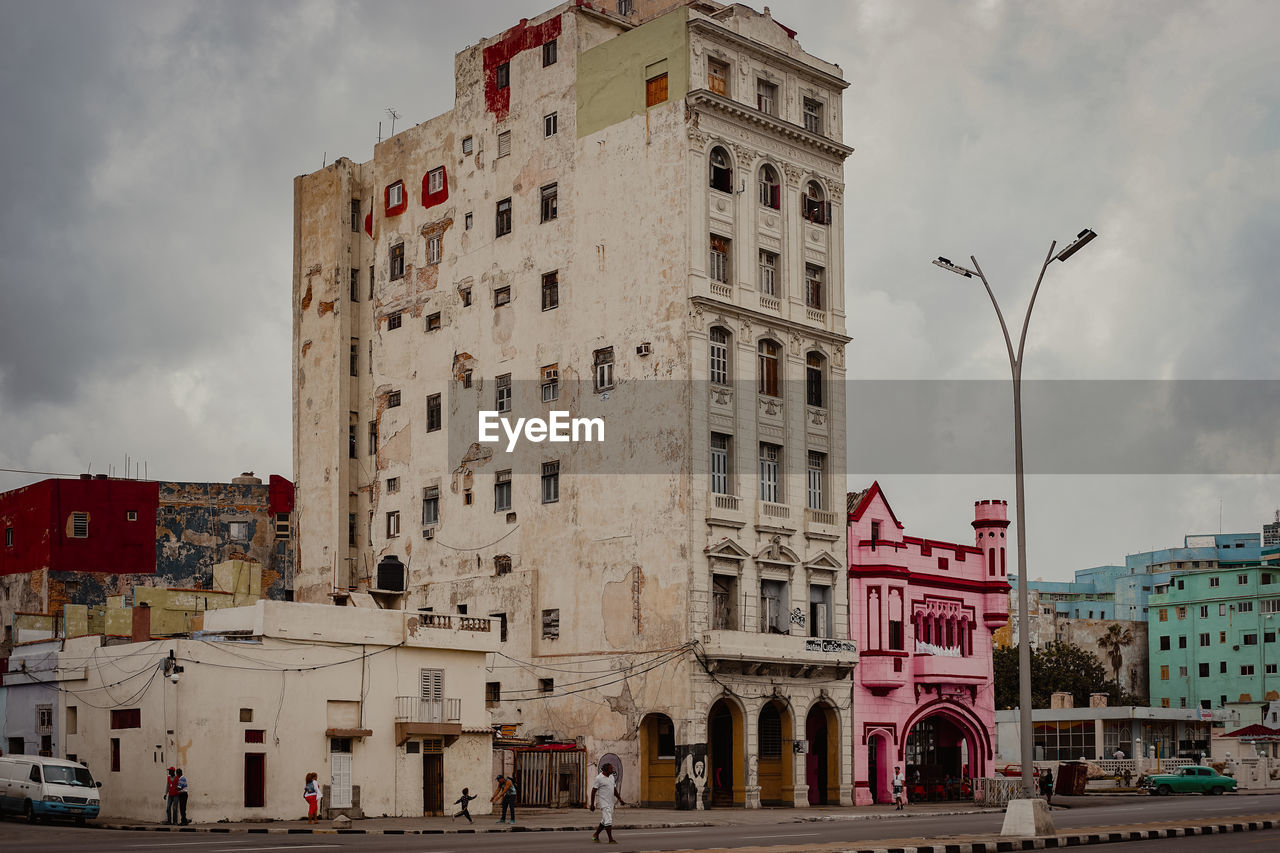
x=785, y=834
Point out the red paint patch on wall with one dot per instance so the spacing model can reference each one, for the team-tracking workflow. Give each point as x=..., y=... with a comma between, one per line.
x=396, y=209
x=40, y=515
x=430, y=199
x=368, y=223
x=519, y=38
x=279, y=494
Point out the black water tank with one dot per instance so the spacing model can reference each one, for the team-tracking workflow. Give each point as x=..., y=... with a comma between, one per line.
x=391, y=573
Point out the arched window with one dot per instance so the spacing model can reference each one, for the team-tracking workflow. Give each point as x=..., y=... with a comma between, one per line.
x=769, y=355
x=814, y=380
x=770, y=190
x=719, y=356
x=721, y=170
x=816, y=208
x=769, y=733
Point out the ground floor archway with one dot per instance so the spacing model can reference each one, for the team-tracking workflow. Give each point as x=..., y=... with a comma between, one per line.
x=941, y=754
x=657, y=761
x=822, y=760
x=726, y=775
x=775, y=754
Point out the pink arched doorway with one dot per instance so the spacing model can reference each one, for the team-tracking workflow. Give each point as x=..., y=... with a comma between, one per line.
x=945, y=745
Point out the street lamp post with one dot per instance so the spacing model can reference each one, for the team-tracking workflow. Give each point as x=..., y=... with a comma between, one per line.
x=1015, y=367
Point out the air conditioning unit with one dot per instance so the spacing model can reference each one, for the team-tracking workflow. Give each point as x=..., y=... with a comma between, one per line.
x=429, y=533
x=551, y=374
x=643, y=349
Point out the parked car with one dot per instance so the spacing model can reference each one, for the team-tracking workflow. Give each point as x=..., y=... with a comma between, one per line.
x=1192, y=779
x=38, y=787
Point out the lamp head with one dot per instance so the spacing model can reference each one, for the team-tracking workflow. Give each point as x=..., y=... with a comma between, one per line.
x=946, y=264
x=1082, y=239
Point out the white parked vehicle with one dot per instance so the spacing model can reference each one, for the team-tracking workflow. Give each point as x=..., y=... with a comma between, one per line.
x=38, y=787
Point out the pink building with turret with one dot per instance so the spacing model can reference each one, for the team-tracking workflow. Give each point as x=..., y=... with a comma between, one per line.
x=922, y=613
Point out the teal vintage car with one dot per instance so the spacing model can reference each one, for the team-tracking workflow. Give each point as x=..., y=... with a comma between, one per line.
x=1192, y=779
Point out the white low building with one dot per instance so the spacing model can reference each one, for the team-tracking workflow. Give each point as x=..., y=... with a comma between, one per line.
x=386, y=706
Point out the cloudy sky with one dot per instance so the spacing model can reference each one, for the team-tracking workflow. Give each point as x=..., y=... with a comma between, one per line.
x=145, y=247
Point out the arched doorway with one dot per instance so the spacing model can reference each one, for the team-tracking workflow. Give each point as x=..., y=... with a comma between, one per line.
x=938, y=756
x=725, y=776
x=822, y=762
x=775, y=758
x=657, y=761
x=879, y=767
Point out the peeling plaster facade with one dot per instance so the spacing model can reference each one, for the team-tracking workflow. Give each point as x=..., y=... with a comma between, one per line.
x=697, y=631
x=137, y=533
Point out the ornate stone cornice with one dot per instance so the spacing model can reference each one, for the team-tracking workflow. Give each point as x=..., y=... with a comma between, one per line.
x=749, y=317
x=751, y=116
x=775, y=57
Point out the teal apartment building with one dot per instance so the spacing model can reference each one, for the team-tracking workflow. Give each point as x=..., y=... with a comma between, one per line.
x=1212, y=637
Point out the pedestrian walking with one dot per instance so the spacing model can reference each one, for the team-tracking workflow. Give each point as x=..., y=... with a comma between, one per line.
x=182, y=795
x=171, y=798
x=605, y=790
x=506, y=795
x=311, y=793
x=899, y=789
x=463, y=801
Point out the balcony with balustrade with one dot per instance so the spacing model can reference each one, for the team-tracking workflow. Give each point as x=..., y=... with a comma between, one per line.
x=431, y=717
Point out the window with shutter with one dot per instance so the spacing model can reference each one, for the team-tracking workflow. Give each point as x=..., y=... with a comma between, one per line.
x=504, y=143
x=655, y=90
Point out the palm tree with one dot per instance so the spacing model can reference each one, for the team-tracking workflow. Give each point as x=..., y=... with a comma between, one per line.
x=1114, y=643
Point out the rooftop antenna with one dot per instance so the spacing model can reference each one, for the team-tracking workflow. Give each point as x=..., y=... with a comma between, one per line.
x=394, y=115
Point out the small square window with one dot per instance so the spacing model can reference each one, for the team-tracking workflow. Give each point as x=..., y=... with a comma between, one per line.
x=394, y=321
x=393, y=399
x=395, y=196
x=467, y=145
x=434, y=419
x=502, y=296
x=549, y=53
x=504, y=75
x=435, y=180
x=79, y=525
x=502, y=491
x=492, y=693
x=551, y=624
x=655, y=90
x=550, y=290
x=238, y=531
x=546, y=685
x=502, y=393
x=246, y=715
x=393, y=485
x=603, y=360
x=502, y=218
x=550, y=482
x=397, y=261
x=549, y=125
x=131, y=515
x=433, y=322
x=550, y=202
x=254, y=735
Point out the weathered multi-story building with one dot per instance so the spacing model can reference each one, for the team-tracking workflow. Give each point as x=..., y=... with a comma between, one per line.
x=634, y=214
x=80, y=541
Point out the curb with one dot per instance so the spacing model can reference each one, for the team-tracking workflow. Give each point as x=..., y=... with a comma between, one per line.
x=1052, y=842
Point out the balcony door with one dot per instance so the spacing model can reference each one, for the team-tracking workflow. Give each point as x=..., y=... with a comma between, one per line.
x=432, y=705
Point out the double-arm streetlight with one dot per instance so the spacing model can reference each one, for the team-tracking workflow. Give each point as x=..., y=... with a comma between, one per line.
x=1015, y=366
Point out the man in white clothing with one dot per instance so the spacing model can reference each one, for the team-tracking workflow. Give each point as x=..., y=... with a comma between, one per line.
x=605, y=790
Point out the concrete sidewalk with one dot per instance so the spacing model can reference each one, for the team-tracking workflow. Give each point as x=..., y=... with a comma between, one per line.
x=551, y=820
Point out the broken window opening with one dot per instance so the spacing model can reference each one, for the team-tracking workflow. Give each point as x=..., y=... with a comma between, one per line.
x=551, y=624
x=724, y=603
x=773, y=607
x=721, y=175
